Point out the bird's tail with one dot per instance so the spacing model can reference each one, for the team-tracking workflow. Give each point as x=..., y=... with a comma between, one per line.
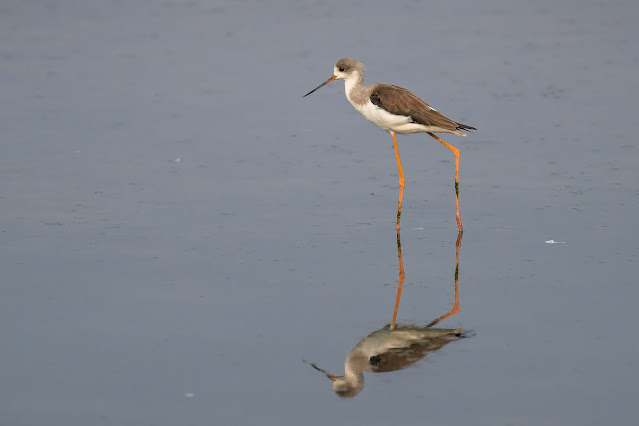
x=465, y=127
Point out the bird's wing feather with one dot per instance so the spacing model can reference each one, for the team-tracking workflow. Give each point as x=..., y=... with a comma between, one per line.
x=400, y=101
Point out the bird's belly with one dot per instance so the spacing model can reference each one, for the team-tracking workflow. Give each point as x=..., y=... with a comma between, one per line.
x=387, y=121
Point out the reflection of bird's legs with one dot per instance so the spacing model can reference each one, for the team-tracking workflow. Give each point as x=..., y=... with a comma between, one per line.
x=400, y=279
x=456, y=306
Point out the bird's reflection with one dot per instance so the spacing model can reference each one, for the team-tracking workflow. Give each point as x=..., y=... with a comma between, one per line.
x=395, y=346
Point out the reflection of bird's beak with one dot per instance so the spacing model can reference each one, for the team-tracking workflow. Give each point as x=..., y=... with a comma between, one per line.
x=329, y=375
x=321, y=85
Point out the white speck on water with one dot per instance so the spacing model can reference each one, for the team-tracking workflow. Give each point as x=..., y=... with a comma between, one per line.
x=555, y=242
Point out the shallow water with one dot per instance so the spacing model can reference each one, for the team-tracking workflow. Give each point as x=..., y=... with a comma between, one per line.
x=182, y=234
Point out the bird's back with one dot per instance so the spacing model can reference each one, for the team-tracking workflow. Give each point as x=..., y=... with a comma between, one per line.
x=399, y=101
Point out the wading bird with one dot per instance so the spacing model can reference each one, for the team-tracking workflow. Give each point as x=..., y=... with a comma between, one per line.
x=396, y=110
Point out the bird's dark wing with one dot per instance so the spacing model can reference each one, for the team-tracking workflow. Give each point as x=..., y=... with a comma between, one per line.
x=400, y=101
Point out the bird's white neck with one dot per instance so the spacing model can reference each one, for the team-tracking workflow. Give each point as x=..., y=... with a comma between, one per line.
x=352, y=86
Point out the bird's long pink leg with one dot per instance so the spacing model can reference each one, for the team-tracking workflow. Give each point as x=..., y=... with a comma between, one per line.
x=456, y=152
x=401, y=180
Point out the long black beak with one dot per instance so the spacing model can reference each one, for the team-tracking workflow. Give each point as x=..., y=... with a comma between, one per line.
x=321, y=85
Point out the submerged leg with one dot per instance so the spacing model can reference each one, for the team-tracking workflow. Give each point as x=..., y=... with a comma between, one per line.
x=401, y=180
x=456, y=152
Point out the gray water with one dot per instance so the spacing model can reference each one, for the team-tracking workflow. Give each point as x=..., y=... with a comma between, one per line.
x=182, y=234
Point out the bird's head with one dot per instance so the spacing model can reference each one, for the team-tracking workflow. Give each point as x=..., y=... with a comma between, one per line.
x=345, y=69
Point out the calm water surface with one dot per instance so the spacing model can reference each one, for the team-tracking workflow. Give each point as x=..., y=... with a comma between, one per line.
x=182, y=235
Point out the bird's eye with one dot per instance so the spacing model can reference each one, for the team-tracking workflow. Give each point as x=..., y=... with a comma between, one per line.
x=341, y=69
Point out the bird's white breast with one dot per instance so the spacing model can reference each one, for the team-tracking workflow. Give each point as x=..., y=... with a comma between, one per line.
x=387, y=121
